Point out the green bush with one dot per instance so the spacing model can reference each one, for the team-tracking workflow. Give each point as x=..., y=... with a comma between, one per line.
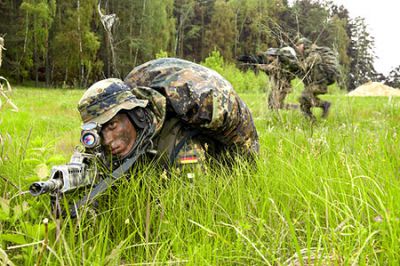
x=162, y=54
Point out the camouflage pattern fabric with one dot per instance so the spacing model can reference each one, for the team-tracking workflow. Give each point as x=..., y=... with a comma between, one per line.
x=104, y=99
x=320, y=65
x=281, y=71
x=191, y=157
x=199, y=97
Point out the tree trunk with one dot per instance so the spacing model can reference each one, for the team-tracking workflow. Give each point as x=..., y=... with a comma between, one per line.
x=35, y=54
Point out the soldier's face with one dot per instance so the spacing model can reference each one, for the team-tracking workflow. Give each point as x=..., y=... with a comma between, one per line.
x=118, y=135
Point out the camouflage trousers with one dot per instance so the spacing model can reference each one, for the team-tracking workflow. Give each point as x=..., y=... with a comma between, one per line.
x=309, y=99
x=277, y=96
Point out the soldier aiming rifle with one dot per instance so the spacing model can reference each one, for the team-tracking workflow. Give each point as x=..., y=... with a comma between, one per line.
x=168, y=112
x=281, y=66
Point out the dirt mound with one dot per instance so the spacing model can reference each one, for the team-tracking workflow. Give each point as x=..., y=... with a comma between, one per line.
x=374, y=89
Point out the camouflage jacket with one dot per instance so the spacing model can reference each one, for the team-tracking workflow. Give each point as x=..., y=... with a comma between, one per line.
x=319, y=65
x=284, y=67
x=277, y=71
x=199, y=97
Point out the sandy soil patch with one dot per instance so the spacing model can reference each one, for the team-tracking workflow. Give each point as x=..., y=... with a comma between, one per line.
x=374, y=89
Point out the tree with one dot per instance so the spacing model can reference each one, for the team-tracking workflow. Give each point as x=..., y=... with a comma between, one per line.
x=37, y=21
x=393, y=79
x=221, y=31
x=313, y=19
x=77, y=63
x=185, y=30
x=144, y=28
x=339, y=37
x=361, y=51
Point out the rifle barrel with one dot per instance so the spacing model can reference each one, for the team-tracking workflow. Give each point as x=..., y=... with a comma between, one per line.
x=39, y=188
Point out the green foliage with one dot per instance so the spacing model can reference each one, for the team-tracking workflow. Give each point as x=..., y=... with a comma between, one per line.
x=221, y=31
x=215, y=61
x=64, y=42
x=162, y=54
x=77, y=64
x=144, y=28
x=362, y=52
x=326, y=192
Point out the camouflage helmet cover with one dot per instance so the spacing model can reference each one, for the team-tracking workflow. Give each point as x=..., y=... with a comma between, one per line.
x=272, y=51
x=288, y=52
x=105, y=98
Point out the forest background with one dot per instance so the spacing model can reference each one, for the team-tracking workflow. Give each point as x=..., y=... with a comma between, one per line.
x=324, y=193
x=63, y=43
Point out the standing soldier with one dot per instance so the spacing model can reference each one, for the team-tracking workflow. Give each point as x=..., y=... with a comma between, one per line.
x=281, y=66
x=319, y=69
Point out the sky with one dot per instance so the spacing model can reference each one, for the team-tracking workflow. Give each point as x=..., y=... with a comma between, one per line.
x=383, y=19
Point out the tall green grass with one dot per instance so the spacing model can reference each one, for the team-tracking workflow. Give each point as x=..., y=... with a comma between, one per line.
x=322, y=194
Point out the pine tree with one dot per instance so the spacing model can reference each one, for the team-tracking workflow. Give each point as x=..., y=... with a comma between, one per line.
x=221, y=31
x=362, y=54
x=77, y=63
x=38, y=18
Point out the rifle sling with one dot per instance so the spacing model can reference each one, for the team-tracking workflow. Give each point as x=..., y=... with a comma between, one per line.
x=120, y=171
x=104, y=184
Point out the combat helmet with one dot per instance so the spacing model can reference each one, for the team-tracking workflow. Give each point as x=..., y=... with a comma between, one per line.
x=272, y=51
x=105, y=98
x=287, y=52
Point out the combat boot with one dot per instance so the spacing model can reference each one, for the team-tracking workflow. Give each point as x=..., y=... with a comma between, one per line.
x=309, y=115
x=305, y=108
x=325, y=109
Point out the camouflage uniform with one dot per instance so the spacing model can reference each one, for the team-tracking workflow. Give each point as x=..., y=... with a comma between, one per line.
x=194, y=111
x=281, y=70
x=200, y=98
x=316, y=77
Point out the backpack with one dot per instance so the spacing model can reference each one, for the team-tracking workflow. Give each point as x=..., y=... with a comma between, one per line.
x=329, y=63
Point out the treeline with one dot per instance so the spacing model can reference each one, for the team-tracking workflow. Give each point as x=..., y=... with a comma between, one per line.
x=75, y=42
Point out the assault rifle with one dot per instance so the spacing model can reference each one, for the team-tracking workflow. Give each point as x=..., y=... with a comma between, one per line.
x=79, y=172
x=285, y=55
x=82, y=171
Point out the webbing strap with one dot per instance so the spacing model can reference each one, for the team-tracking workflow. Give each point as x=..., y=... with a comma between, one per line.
x=188, y=135
x=104, y=184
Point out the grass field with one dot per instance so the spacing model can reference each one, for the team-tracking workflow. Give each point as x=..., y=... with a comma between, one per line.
x=322, y=194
